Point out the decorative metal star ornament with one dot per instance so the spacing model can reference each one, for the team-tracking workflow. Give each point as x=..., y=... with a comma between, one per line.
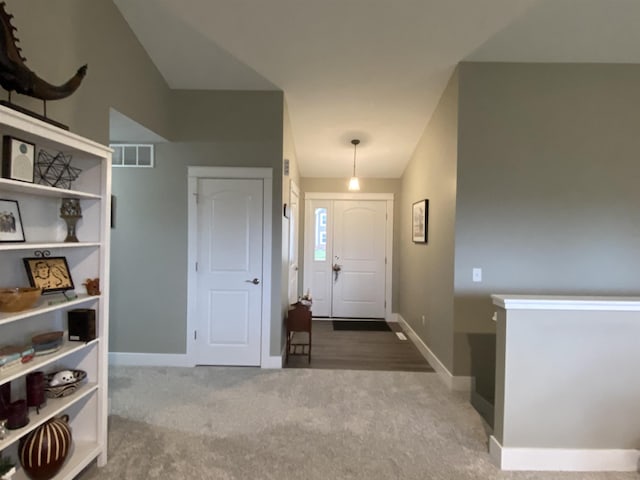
x=55, y=170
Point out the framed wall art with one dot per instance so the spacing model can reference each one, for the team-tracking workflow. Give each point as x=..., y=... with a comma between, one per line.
x=18, y=159
x=51, y=274
x=420, y=221
x=113, y=211
x=10, y=222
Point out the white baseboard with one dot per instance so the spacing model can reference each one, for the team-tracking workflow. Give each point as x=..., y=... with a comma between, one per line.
x=150, y=359
x=172, y=360
x=563, y=459
x=453, y=382
x=274, y=361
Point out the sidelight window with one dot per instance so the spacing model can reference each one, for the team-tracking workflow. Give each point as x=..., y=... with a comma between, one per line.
x=320, y=250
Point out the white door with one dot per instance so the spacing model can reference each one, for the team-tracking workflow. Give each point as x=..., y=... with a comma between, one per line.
x=359, y=231
x=229, y=275
x=294, y=227
x=352, y=236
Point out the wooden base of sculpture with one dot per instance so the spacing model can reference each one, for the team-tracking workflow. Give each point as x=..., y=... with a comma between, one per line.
x=26, y=111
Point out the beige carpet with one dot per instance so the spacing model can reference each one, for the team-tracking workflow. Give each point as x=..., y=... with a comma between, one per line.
x=240, y=423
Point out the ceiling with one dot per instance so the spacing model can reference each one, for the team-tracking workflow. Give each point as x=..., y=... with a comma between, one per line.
x=367, y=69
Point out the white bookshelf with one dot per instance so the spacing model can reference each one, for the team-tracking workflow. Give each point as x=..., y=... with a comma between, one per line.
x=89, y=258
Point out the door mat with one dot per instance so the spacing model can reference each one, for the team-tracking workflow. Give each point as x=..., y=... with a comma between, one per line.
x=362, y=325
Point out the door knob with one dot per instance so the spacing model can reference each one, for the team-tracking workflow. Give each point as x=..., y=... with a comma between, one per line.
x=255, y=281
x=336, y=271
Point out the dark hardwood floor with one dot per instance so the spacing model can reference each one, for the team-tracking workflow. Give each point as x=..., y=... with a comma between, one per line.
x=359, y=350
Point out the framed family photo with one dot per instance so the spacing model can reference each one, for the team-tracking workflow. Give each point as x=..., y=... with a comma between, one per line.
x=51, y=274
x=10, y=222
x=420, y=221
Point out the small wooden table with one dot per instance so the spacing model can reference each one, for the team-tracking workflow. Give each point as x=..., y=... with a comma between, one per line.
x=298, y=320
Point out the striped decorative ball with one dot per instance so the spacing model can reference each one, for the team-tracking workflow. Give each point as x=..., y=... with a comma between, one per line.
x=43, y=451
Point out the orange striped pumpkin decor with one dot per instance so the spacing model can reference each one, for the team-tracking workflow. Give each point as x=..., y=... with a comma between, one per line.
x=43, y=451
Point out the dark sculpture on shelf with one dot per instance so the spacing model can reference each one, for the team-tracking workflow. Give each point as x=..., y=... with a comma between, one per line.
x=15, y=76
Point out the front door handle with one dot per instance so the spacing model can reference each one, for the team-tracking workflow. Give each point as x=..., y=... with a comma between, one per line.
x=255, y=281
x=336, y=271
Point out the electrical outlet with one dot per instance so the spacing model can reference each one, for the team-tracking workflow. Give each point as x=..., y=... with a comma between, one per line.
x=423, y=320
x=477, y=274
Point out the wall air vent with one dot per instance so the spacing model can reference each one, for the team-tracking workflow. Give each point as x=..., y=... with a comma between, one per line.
x=132, y=155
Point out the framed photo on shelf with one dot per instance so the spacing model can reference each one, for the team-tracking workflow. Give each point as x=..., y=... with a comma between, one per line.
x=420, y=221
x=51, y=274
x=18, y=159
x=10, y=222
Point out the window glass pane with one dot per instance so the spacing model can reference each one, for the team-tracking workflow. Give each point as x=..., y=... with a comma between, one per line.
x=116, y=158
x=130, y=155
x=144, y=155
x=320, y=250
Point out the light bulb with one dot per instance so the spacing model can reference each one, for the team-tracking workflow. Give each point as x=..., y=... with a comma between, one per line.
x=354, y=184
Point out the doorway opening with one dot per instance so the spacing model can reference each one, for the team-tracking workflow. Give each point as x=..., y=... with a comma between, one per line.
x=348, y=245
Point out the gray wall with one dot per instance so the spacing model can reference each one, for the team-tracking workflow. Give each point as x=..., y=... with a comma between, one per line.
x=547, y=191
x=289, y=153
x=582, y=393
x=228, y=116
x=146, y=246
x=236, y=128
x=340, y=185
x=367, y=185
x=426, y=270
x=58, y=37
x=253, y=121
x=542, y=190
x=150, y=252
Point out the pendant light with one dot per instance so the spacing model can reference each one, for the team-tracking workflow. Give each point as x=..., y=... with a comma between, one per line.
x=354, y=184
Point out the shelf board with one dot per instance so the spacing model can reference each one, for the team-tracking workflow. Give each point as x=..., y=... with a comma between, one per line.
x=82, y=455
x=53, y=407
x=45, y=245
x=44, y=307
x=40, y=361
x=43, y=190
x=46, y=135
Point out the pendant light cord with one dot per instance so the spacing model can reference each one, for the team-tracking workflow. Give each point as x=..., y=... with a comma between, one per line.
x=355, y=143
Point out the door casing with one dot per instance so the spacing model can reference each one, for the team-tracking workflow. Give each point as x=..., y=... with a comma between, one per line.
x=308, y=234
x=266, y=175
x=294, y=235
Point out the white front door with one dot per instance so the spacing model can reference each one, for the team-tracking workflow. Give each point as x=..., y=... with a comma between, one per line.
x=352, y=236
x=229, y=274
x=359, y=230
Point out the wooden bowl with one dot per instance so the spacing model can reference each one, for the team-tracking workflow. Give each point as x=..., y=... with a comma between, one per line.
x=17, y=299
x=47, y=337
